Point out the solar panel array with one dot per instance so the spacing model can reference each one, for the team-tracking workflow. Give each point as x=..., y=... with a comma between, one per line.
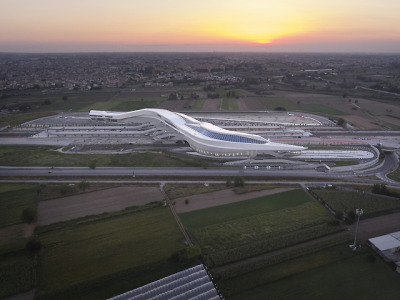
x=192, y=283
x=225, y=137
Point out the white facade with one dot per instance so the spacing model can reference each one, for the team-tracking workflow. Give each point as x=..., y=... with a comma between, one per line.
x=203, y=137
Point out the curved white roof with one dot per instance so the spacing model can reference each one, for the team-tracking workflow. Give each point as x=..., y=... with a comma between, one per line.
x=204, y=137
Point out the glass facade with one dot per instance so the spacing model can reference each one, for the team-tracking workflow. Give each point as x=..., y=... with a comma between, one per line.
x=225, y=137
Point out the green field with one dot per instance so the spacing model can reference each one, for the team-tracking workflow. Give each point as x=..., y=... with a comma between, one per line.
x=395, y=175
x=135, y=104
x=48, y=156
x=321, y=109
x=244, y=240
x=130, y=250
x=346, y=201
x=178, y=190
x=249, y=228
x=20, y=118
x=14, y=198
x=229, y=104
x=45, y=105
x=244, y=209
x=331, y=273
x=198, y=104
x=17, y=274
x=272, y=102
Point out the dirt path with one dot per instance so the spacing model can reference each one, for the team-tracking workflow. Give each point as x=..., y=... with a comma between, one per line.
x=94, y=203
x=219, y=198
x=378, y=226
x=15, y=232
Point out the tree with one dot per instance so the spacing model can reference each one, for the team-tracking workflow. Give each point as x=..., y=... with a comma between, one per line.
x=33, y=246
x=64, y=189
x=229, y=182
x=341, y=122
x=173, y=96
x=92, y=164
x=40, y=188
x=186, y=255
x=381, y=189
x=64, y=98
x=28, y=215
x=238, y=181
x=83, y=185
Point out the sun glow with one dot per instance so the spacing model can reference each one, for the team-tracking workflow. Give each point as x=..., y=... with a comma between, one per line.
x=203, y=24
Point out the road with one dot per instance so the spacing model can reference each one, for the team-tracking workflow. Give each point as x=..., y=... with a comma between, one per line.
x=389, y=164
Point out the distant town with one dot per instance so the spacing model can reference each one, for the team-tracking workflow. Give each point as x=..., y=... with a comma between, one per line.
x=49, y=73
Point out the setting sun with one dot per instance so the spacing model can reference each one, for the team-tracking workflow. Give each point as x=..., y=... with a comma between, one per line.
x=175, y=25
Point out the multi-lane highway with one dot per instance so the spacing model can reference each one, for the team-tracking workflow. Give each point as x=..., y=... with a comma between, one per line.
x=389, y=164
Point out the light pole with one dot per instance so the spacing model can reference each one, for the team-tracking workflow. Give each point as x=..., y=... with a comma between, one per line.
x=359, y=213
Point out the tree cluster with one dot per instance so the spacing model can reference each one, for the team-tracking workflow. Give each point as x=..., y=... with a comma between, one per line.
x=187, y=255
x=381, y=189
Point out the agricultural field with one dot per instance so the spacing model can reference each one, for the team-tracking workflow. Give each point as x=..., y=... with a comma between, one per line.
x=248, y=228
x=46, y=105
x=321, y=109
x=272, y=102
x=124, y=250
x=330, y=273
x=229, y=104
x=96, y=203
x=362, y=113
x=48, y=156
x=178, y=190
x=346, y=201
x=14, y=198
x=17, y=273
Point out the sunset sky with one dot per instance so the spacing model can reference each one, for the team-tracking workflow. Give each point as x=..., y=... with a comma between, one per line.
x=200, y=25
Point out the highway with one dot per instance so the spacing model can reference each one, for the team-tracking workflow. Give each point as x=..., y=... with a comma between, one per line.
x=389, y=164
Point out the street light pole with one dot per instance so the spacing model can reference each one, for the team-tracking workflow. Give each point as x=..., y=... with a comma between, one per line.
x=359, y=213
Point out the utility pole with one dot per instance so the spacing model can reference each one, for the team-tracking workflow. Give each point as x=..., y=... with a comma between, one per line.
x=359, y=213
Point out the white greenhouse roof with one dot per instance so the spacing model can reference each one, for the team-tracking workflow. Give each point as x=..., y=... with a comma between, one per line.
x=386, y=242
x=192, y=283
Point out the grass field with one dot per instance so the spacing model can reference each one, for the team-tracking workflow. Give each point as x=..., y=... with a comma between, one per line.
x=198, y=104
x=346, y=201
x=395, y=175
x=17, y=274
x=75, y=102
x=272, y=102
x=14, y=198
x=244, y=209
x=135, y=104
x=244, y=229
x=332, y=273
x=243, y=241
x=19, y=118
x=80, y=256
x=229, y=104
x=47, y=156
x=321, y=109
x=178, y=190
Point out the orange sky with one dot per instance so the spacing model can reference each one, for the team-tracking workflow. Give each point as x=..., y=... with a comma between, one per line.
x=192, y=25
